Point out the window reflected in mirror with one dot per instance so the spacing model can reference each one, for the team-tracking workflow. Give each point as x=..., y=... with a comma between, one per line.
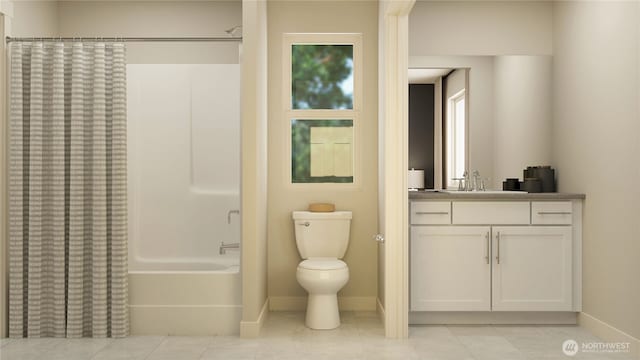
x=322, y=151
x=456, y=140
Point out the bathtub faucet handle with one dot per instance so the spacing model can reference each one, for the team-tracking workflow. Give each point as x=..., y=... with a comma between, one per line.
x=224, y=247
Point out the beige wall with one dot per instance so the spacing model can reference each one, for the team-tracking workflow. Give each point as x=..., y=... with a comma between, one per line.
x=308, y=16
x=480, y=28
x=137, y=19
x=254, y=166
x=522, y=114
x=157, y=19
x=34, y=18
x=596, y=148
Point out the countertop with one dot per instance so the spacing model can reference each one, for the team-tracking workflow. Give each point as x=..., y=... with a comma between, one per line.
x=479, y=195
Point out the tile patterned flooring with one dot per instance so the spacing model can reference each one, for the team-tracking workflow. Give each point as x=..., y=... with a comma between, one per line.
x=285, y=337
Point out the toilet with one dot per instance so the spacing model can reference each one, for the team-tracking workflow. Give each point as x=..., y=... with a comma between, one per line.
x=322, y=239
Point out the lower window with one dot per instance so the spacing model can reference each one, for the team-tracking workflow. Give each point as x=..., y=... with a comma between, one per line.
x=322, y=151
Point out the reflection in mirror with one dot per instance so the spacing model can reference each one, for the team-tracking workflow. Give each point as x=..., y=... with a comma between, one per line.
x=322, y=77
x=454, y=132
x=455, y=142
x=321, y=151
x=508, y=113
x=438, y=124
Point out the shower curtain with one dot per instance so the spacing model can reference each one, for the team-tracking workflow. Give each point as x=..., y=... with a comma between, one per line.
x=67, y=190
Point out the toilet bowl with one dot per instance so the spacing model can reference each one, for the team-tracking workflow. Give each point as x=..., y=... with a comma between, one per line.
x=322, y=240
x=322, y=279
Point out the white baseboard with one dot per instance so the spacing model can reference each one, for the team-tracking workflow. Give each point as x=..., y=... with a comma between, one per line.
x=251, y=329
x=609, y=333
x=491, y=317
x=345, y=303
x=380, y=311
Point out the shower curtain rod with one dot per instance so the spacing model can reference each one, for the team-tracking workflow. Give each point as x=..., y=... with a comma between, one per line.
x=126, y=39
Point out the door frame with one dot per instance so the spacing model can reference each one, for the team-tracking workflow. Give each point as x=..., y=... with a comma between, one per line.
x=394, y=127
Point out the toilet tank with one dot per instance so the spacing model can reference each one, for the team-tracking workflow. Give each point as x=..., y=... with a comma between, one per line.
x=322, y=234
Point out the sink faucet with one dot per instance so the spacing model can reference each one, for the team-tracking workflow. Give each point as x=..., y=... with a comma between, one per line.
x=467, y=181
x=224, y=247
x=229, y=215
x=476, y=180
x=471, y=182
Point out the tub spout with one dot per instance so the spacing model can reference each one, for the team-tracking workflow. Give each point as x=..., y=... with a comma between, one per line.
x=229, y=215
x=224, y=247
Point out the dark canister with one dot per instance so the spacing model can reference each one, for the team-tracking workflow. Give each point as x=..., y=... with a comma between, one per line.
x=511, y=184
x=545, y=174
x=532, y=185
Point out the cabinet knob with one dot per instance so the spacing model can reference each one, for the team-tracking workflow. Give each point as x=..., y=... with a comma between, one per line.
x=379, y=238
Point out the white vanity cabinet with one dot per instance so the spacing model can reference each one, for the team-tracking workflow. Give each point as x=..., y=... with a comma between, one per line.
x=450, y=268
x=495, y=256
x=532, y=268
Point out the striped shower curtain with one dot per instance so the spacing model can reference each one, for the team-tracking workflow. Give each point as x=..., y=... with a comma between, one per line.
x=67, y=190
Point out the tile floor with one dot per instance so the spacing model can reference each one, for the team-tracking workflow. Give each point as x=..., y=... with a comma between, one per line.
x=286, y=338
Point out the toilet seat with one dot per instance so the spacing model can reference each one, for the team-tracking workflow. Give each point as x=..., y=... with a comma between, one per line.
x=322, y=264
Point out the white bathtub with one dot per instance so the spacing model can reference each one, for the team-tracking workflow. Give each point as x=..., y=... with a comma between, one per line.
x=186, y=299
x=225, y=264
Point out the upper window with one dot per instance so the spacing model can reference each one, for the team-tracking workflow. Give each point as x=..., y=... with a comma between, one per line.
x=322, y=106
x=322, y=76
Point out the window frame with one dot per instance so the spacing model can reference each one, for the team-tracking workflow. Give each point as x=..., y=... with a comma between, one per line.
x=355, y=40
x=451, y=124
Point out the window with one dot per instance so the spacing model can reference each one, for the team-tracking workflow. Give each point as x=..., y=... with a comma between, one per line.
x=322, y=76
x=322, y=107
x=456, y=137
x=322, y=151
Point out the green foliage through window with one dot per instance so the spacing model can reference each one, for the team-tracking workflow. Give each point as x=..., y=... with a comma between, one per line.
x=301, y=151
x=322, y=76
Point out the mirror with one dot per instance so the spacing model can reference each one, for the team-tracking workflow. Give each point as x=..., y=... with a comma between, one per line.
x=507, y=115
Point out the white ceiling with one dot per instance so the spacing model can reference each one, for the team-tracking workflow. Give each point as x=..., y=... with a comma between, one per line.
x=426, y=76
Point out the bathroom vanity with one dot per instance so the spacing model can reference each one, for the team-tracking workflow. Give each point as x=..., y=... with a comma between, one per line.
x=493, y=257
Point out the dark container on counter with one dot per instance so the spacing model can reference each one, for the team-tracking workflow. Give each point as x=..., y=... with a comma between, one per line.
x=532, y=185
x=545, y=174
x=511, y=184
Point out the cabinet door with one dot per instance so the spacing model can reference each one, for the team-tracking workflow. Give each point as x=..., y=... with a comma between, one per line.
x=450, y=268
x=532, y=268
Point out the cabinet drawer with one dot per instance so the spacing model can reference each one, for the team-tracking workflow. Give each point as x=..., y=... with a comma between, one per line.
x=485, y=213
x=551, y=212
x=430, y=212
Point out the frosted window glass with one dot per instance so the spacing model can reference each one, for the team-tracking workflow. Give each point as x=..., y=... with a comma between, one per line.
x=322, y=151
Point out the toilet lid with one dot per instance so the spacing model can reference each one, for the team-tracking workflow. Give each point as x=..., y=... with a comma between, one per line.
x=323, y=264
